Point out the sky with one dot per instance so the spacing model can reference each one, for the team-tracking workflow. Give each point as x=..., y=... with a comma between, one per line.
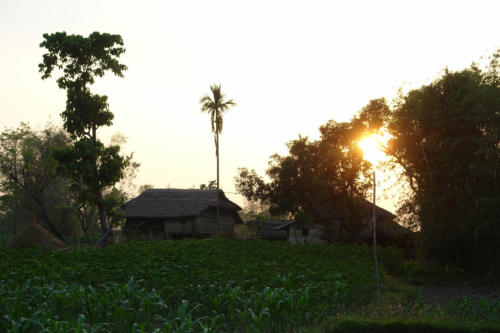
x=289, y=65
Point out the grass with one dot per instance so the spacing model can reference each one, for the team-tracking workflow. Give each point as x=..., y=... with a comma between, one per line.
x=403, y=309
x=357, y=325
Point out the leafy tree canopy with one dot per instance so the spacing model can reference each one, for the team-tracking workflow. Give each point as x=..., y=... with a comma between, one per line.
x=81, y=58
x=331, y=168
x=446, y=136
x=216, y=105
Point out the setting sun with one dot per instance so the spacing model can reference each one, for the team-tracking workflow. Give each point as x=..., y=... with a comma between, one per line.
x=372, y=147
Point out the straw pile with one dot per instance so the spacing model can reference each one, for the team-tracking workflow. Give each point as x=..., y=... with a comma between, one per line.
x=35, y=235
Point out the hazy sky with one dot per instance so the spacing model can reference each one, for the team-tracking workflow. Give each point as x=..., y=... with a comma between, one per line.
x=290, y=66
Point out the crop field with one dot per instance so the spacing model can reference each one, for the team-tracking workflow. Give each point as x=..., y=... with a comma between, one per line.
x=182, y=286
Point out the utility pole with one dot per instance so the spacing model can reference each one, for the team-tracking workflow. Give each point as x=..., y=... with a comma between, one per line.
x=375, y=237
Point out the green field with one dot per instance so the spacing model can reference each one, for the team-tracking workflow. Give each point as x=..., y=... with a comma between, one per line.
x=189, y=285
x=181, y=285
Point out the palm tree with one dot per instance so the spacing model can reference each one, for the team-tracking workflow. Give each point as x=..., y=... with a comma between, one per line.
x=216, y=106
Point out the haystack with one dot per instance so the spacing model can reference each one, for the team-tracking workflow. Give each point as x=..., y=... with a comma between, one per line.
x=35, y=235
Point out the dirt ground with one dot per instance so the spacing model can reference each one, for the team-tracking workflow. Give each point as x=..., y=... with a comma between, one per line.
x=442, y=294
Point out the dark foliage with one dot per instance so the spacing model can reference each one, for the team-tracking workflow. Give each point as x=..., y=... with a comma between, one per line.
x=447, y=139
x=29, y=183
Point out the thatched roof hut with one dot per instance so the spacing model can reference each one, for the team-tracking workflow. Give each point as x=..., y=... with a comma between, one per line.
x=338, y=219
x=181, y=212
x=35, y=235
x=174, y=203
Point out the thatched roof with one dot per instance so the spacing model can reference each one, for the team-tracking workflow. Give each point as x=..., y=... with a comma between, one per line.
x=35, y=235
x=386, y=226
x=274, y=229
x=328, y=210
x=175, y=203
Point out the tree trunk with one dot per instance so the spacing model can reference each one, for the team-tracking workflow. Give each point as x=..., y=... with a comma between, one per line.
x=87, y=236
x=102, y=214
x=98, y=194
x=427, y=163
x=45, y=216
x=51, y=226
x=84, y=224
x=15, y=221
x=218, y=194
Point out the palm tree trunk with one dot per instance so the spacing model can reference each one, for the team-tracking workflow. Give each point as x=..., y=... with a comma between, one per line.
x=217, y=206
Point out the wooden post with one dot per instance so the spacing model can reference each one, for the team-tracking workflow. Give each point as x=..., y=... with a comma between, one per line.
x=375, y=238
x=295, y=232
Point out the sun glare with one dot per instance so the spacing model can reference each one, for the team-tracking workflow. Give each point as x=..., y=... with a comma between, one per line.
x=372, y=147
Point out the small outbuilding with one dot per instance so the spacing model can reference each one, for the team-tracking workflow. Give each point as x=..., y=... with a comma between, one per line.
x=301, y=233
x=291, y=231
x=334, y=223
x=179, y=213
x=274, y=229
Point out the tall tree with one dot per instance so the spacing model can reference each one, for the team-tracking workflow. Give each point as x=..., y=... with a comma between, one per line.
x=313, y=172
x=88, y=161
x=446, y=136
x=216, y=105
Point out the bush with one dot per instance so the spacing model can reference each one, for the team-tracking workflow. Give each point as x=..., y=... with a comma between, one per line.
x=3, y=240
x=391, y=257
x=424, y=273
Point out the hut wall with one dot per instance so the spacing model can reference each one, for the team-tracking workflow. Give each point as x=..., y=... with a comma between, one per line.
x=139, y=228
x=334, y=229
x=179, y=227
x=305, y=235
x=206, y=223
